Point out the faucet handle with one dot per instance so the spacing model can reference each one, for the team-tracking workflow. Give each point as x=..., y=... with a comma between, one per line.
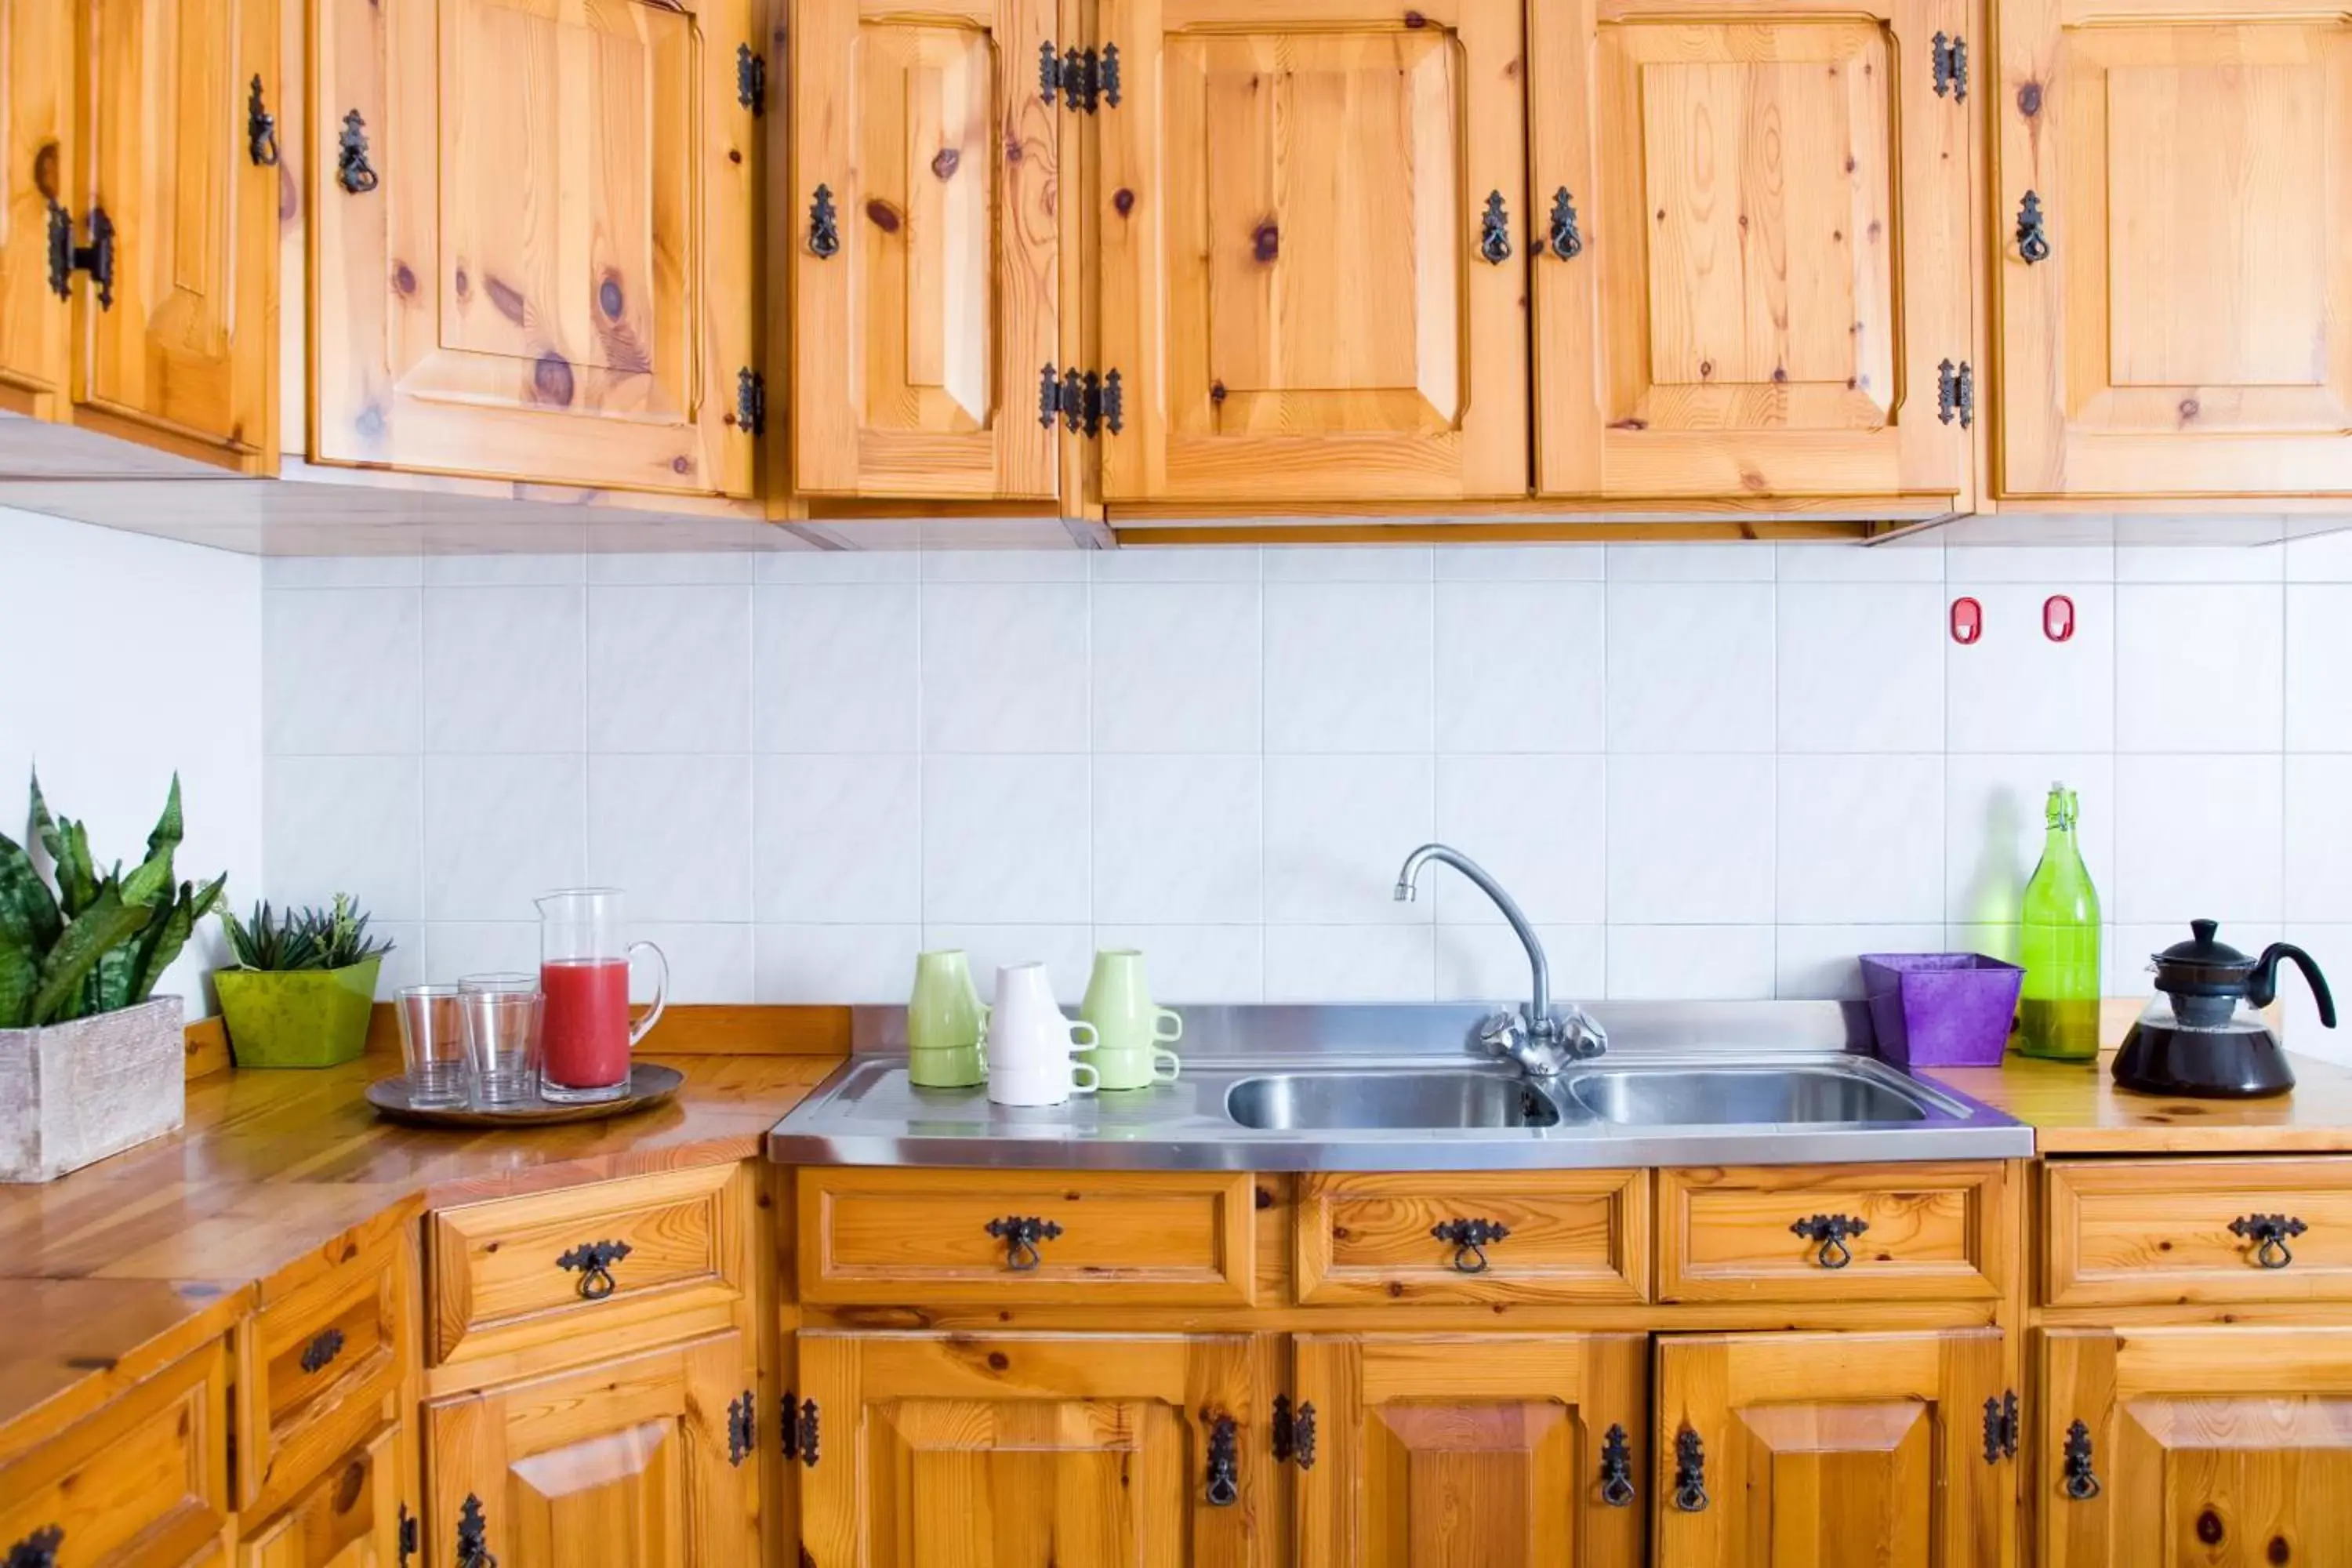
x=1581, y=1034
x=1503, y=1035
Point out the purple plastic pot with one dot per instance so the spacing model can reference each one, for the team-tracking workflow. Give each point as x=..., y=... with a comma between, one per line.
x=1941, y=1009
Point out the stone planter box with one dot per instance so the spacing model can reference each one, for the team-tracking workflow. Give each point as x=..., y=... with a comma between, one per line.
x=74, y=1093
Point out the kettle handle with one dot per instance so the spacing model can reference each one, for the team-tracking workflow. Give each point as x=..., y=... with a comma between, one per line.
x=2262, y=988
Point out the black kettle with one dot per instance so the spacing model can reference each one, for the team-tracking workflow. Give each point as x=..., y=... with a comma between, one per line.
x=2205, y=1037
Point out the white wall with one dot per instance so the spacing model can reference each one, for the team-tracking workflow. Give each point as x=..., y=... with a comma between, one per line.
x=122, y=658
x=1714, y=772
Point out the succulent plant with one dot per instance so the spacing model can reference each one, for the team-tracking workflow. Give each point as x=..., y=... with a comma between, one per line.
x=92, y=944
x=302, y=938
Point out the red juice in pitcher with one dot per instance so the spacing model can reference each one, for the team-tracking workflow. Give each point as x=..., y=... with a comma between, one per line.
x=585, y=1041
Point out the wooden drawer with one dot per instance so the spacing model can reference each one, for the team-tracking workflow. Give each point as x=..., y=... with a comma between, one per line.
x=1933, y=1232
x=350, y=1518
x=523, y=1272
x=318, y=1366
x=1570, y=1235
x=1144, y=1237
x=143, y=1481
x=2151, y=1232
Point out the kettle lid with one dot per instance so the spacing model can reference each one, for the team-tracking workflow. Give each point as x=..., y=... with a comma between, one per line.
x=2204, y=950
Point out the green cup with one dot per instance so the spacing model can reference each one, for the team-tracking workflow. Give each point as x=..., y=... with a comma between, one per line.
x=1133, y=1034
x=946, y=1024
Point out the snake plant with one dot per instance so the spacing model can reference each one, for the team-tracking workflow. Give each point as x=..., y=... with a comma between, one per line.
x=92, y=943
x=295, y=939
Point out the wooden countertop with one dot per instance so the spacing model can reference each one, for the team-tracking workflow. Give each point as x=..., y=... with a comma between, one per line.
x=2077, y=1109
x=103, y=1272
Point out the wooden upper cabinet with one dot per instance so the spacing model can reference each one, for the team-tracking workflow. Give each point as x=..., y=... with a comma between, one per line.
x=2229, y=1446
x=926, y=272
x=1035, y=1449
x=1290, y=202
x=2189, y=331
x=1494, y=1450
x=37, y=143
x=532, y=232
x=1794, y=1450
x=178, y=349
x=1771, y=235
x=630, y=1463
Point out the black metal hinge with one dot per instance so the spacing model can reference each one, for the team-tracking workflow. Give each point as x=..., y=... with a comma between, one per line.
x=1292, y=1432
x=62, y=250
x=801, y=1431
x=2001, y=1427
x=1948, y=59
x=1086, y=403
x=750, y=401
x=743, y=1428
x=1956, y=392
x=473, y=1535
x=97, y=258
x=407, y=1541
x=1080, y=78
x=751, y=79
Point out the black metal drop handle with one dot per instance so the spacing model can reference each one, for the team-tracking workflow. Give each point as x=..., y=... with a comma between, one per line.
x=260, y=129
x=353, y=169
x=824, y=226
x=1495, y=231
x=322, y=1350
x=1616, y=1468
x=1567, y=240
x=1021, y=1234
x=1225, y=1463
x=473, y=1535
x=2032, y=230
x=594, y=1260
x=1828, y=1232
x=38, y=1550
x=2081, y=1481
x=2270, y=1233
x=1690, y=1473
x=1470, y=1238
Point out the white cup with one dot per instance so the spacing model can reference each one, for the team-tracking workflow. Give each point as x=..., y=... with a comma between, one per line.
x=1030, y=1041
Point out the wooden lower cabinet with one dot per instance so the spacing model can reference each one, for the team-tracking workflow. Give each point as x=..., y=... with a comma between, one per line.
x=632, y=1462
x=1492, y=1450
x=2227, y=1448
x=351, y=1516
x=1027, y=1449
x=1822, y=1451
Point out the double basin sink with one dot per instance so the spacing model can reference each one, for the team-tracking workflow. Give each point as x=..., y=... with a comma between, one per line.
x=1406, y=1088
x=1829, y=1094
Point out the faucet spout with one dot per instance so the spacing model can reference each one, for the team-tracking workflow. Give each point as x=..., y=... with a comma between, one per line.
x=1407, y=885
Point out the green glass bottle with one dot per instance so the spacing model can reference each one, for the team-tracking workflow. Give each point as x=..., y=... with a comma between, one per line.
x=2058, y=1009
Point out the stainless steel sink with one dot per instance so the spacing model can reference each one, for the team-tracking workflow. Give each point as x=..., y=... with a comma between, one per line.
x=1318, y=1102
x=1727, y=1096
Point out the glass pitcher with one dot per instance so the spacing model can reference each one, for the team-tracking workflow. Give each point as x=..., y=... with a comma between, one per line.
x=583, y=971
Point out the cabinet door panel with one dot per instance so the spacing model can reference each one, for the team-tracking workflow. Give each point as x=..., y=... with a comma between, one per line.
x=920, y=342
x=179, y=352
x=350, y=1518
x=36, y=42
x=2190, y=332
x=1032, y=1450
x=2229, y=1447
x=621, y=1465
x=1775, y=232
x=1435, y=1450
x=551, y=279
x=1831, y=1449
x=1292, y=281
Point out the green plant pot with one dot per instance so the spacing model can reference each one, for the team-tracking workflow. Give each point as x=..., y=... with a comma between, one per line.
x=297, y=1018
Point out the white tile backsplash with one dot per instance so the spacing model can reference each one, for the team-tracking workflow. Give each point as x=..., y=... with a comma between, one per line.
x=1705, y=771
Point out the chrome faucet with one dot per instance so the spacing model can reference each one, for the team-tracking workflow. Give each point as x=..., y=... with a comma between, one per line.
x=1540, y=1040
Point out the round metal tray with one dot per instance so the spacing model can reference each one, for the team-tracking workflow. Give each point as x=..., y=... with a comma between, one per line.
x=650, y=1084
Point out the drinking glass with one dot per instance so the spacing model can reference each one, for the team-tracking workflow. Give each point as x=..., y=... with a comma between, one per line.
x=433, y=1046
x=502, y=1033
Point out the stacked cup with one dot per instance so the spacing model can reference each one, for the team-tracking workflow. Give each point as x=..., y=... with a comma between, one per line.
x=1132, y=1034
x=1030, y=1041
